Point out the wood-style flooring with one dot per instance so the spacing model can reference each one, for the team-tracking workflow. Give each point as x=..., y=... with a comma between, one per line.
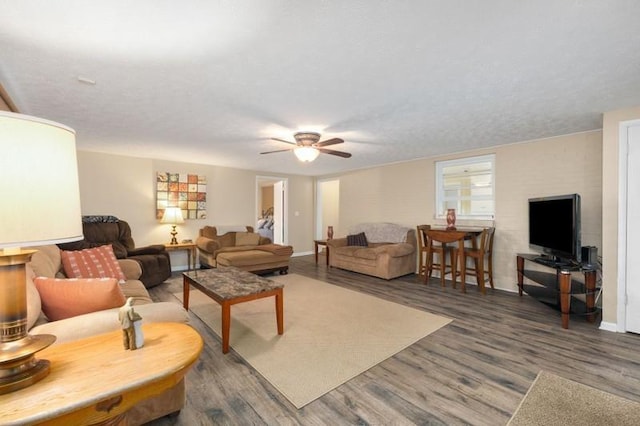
x=474, y=371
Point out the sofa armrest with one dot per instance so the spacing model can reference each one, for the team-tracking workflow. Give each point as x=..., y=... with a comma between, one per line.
x=337, y=242
x=86, y=325
x=152, y=249
x=207, y=245
x=131, y=269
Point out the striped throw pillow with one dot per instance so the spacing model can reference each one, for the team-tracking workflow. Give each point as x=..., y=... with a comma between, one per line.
x=97, y=262
x=357, y=240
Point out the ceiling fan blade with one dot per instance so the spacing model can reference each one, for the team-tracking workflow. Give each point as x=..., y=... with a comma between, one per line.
x=333, y=152
x=282, y=140
x=328, y=142
x=278, y=150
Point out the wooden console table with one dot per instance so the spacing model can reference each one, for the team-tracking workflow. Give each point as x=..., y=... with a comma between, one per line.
x=190, y=248
x=558, y=288
x=96, y=381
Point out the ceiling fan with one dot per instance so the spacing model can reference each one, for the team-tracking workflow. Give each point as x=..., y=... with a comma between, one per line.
x=308, y=146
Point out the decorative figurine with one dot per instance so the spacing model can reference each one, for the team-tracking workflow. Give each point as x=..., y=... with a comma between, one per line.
x=131, y=326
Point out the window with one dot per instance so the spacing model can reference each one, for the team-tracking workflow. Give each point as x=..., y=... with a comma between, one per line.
x=467, y=185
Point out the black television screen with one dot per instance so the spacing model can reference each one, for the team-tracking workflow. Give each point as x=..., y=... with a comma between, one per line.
x=554, y=226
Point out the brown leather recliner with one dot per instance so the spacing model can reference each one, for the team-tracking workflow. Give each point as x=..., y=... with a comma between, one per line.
x=102, y=230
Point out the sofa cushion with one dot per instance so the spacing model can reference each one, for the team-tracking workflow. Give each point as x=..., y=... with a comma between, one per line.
x=357, y=240
x=247, y=239
x=97, y=262
x=65, y=298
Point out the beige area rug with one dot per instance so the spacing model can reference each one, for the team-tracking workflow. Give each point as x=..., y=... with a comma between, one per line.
x=554, y=400
x=331, y=334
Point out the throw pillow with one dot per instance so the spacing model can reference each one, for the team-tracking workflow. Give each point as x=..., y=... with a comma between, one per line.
x=64, y=298
x=247, y=239
x=97, y=262
x=357, y=240
x=261, y=223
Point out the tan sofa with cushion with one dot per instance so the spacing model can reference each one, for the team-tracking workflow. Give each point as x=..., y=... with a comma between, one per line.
x=46, y=262
x=390, y=250
x=246, y=250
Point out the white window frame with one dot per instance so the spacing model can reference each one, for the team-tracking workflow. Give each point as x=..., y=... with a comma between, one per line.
x=440, y=211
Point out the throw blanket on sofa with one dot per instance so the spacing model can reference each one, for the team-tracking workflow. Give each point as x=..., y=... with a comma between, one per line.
x=381, y=232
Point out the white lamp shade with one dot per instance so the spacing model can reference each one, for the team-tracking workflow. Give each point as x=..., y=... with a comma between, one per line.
x=39, y=190
x=172, y=215
x=306, y=153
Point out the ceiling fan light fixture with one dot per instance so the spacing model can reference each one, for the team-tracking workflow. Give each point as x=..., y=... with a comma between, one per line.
x=306, y=154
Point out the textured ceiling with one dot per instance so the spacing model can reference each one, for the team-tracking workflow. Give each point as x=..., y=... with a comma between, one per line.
x=211, y=81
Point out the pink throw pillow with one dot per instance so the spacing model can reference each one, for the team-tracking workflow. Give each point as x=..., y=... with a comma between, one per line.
x=97, y=262
x=64, y=298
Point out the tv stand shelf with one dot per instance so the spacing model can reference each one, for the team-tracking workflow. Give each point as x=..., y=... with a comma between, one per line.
x=558, y=289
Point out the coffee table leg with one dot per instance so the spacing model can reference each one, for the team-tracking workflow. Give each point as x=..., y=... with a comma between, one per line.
x=226, y=326
x=185, y=293
x=280, y=311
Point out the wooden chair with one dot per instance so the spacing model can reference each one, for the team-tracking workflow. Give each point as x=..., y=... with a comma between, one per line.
x=480, y=253
x=427, y=249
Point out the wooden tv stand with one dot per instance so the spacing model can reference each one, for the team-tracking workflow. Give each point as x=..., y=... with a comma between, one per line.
x=558, y=288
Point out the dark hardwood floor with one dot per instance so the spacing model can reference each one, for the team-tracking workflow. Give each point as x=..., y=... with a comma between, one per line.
x=473, y=371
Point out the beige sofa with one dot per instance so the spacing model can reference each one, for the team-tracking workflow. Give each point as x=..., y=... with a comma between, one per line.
x=390, y=251
x=46, y=262
x=243, y=249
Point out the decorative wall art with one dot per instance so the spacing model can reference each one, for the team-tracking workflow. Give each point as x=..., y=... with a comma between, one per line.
x=187, y=191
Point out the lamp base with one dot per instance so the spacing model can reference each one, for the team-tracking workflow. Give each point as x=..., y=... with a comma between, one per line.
x=18, y=366
x=173, y=233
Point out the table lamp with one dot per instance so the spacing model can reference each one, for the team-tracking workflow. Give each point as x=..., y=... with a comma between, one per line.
x=40, y=205
x=173, y=216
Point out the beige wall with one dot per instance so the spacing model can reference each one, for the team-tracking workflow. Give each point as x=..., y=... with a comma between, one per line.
x=404, y=193
x=610, y=169
x=124, y=187
x=330, y=192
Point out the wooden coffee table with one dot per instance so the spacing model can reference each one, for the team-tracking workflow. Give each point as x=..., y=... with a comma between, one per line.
x=96, y=381
x=228, y=286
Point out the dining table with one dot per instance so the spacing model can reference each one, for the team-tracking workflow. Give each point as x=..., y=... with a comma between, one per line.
x=450, y=235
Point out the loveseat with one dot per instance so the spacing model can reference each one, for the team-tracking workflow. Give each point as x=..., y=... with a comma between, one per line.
x=100, y=230
x=384, y=250
x=239, y=246
x=46, y=264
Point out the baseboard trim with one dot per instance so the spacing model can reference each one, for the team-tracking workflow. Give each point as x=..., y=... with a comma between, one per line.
x=302, y=253
x=609, y=326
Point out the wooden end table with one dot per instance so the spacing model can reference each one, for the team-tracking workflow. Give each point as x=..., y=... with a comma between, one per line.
x=190, y=248
x=228, y=285
x=317, y=243
x=96, y=381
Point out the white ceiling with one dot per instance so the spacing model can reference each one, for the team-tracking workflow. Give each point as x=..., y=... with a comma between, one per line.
x=210, y=82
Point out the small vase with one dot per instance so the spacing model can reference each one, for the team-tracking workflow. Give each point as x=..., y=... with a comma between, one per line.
x=451, y=219
x=329, y=232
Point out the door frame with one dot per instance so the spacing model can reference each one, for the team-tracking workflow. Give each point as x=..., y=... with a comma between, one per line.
x=623, y=140
x=285, y=200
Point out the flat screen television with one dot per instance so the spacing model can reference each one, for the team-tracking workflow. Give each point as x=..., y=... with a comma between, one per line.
x=554, y=227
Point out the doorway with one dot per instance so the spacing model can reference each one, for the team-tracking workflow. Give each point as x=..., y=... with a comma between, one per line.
x=629, y=228
x=271, y=208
